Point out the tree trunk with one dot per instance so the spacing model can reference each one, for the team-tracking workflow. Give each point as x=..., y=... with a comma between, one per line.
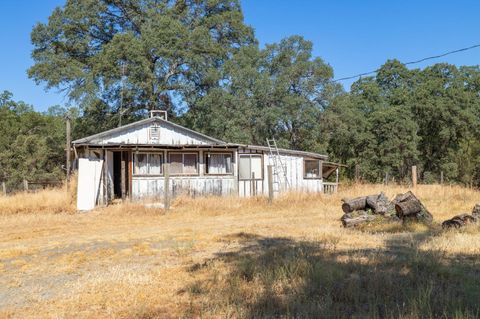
x=359, y=203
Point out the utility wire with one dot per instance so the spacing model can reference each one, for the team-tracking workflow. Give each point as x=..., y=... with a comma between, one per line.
x=411, y=62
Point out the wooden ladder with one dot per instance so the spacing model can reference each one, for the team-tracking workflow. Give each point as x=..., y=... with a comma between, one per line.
x=279, y=171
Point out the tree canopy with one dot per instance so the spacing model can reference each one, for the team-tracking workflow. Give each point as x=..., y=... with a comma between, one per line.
x=198, y=60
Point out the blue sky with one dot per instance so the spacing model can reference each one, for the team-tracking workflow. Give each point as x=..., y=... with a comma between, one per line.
x=352, y=36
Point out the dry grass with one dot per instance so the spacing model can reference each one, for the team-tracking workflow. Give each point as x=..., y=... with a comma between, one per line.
x=235, y=258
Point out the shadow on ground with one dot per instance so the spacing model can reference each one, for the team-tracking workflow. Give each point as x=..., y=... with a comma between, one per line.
x=272, y=277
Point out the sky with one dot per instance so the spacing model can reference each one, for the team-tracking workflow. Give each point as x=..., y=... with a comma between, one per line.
x=352, y=36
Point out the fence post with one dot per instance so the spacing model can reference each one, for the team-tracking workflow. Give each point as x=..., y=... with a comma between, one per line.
x=25, y=185
x=441, y=178
x=357, y=173
x=166, y=186
x=414, y=176
x=4, y=188
x=270, y=183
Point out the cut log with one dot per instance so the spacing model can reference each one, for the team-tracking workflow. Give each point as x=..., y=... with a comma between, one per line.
x=354, y=221
x=459, y=221
x=350, y=205
x=380, y=204
x=449, y=223
x=408, y=207
x=466, y=218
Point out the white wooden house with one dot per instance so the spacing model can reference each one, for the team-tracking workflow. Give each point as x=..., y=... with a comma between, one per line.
x=127, y=162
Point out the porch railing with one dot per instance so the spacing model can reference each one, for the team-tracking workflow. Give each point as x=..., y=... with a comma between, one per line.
x=330, y=188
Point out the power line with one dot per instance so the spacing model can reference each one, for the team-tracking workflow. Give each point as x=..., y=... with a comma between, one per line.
x=411, y=62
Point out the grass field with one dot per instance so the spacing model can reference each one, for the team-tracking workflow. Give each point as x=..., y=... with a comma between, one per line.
x=235, y=258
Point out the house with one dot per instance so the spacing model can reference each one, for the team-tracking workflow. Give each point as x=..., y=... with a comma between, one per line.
x=132, y=161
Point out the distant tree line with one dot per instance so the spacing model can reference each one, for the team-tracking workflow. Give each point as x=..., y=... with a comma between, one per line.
x=199, y=61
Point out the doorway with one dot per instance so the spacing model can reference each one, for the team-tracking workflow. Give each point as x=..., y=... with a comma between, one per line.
x=121, y=174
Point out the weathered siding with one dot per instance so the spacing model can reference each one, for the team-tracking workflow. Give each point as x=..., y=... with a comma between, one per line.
x=169, y=134
x=294, y=169
x=147, y=187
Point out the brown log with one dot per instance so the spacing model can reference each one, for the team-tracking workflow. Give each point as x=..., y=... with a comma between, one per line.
x=465, y=218
x=379, y=204
x=359, y=203
x=459, y=221
x=449, y=223
x=354, y=221
x=408, y=206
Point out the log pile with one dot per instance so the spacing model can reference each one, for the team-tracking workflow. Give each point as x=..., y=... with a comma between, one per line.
x=366, y=209
x=463, y=219
x=404, y=207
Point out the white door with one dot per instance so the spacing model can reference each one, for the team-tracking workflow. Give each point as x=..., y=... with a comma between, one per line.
x=88, y=188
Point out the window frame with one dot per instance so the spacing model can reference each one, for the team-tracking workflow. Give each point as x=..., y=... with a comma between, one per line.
x=250, y=155
x=197, y=164
x=134, y=162
x=319, y=165
x=205, y=161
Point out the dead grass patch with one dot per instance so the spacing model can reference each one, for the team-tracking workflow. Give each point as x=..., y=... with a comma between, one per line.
x=236, y=258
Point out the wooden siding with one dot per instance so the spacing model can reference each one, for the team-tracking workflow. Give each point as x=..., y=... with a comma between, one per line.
x=169, y=134
x=294, y=169
x=204, y=184
x=153, y=187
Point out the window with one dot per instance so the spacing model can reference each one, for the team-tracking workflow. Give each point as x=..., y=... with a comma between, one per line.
x=249, y=166
x=147, y=163
x=312, y=169
x=218, y=163
x=183, y=163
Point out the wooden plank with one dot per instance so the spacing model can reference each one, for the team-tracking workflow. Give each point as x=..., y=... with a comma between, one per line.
x=166, y=187
x=123, y=176
x=270, y=183
x=130, y=173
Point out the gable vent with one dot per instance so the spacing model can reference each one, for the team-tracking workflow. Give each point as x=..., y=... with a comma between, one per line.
x=155, y=133
x=159, y=113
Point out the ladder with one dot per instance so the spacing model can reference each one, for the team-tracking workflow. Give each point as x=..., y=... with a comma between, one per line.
x=279, y=171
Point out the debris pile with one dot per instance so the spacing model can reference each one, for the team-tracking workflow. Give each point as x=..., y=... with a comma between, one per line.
x=463, y=219
x=404, y=207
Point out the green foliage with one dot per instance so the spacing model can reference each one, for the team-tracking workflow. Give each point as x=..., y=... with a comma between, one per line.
x=402, y=117
x=200, y=62
x=31, y=143
x=280, y=91
x=166, y=53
